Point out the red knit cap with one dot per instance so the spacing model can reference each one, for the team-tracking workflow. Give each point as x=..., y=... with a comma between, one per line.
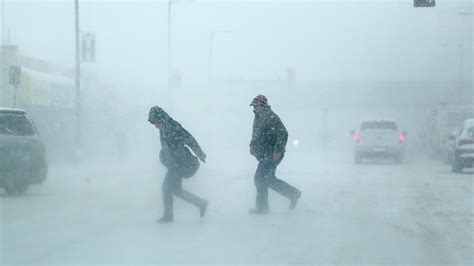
x=259, y=100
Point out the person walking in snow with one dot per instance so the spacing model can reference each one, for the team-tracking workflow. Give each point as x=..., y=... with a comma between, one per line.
x=178, y=159
x=269, y=138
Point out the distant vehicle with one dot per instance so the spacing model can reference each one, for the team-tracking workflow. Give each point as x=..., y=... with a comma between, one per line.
x=23, y=153
x=463, y=156
x=379, y=139
x=440, y=124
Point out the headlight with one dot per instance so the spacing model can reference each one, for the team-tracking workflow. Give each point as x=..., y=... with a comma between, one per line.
x=296, y=143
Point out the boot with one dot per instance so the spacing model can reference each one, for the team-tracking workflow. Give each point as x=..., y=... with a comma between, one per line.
x=259, y=211
x=165, y=219
x=294, y=200
x=203, y=208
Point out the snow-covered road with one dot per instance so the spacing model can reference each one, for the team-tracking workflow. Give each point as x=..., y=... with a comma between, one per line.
x=104, y=212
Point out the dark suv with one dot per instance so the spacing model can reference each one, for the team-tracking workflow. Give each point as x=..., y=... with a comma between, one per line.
x=22, y=152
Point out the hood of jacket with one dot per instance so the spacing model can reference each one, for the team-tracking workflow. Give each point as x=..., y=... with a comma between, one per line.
x=157, y=114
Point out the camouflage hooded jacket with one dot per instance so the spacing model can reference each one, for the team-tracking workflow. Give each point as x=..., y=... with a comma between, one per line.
x=175, y=141
x=269, y=135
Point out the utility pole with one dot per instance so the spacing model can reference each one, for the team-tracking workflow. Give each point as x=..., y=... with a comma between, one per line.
x=15, y=80
x=461, y=67
x=209, y=69
x=78, y=80
x=170, y=53
x=2, y=63
x=459, y=46
x=461, y=59
x=170, y=89
x=3, y=22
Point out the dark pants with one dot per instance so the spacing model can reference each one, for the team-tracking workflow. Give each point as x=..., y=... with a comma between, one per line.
x=172, y=185
x=265, y=178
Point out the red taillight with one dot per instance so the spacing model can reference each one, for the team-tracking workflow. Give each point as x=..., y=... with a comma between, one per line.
x=357, y=137
x=465, y=142
x=401, y=138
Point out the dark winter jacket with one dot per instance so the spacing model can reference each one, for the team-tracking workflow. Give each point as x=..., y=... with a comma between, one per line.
x=269, y=135
x=175, y=141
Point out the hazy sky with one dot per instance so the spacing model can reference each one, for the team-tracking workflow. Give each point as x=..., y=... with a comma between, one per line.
x=324, y=41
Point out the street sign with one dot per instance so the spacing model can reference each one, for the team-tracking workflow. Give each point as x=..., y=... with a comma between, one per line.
x=88, y=47
x=15, y=75
x=424, y=3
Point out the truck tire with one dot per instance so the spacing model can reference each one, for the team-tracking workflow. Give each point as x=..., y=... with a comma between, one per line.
x=456, y=166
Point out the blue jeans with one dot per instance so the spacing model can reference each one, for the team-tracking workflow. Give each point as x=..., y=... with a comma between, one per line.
x=265, y=178
x=172, y=185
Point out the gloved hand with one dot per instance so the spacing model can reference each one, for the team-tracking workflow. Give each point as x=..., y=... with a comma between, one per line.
x=202, y=157
x=276, y=156
x=252, y=151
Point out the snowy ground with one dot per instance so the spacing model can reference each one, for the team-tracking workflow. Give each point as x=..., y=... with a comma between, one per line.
x=377, y=212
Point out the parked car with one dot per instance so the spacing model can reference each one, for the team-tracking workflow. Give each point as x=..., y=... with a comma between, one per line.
x=463, y=156
x=447, y=156
x=379, y=139
x=23, y=154
x=439, y=125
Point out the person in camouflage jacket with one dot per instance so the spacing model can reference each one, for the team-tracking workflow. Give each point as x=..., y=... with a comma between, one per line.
x=269, y=138
x=178, y=159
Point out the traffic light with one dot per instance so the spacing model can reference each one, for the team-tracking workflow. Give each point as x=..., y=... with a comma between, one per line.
x=424, y=3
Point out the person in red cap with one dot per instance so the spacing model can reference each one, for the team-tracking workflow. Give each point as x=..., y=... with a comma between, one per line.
x=269, y=138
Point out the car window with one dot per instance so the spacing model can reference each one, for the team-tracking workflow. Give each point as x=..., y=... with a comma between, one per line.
x=378, y=125
x=15, y=124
